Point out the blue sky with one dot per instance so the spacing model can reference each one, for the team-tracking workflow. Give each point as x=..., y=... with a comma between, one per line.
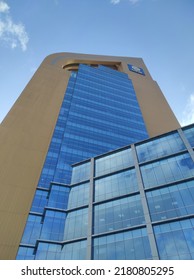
x=159, y=31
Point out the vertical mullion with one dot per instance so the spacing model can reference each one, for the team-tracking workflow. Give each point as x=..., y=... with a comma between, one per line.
x=186, y=142
x=149, y=227
x=90, y=212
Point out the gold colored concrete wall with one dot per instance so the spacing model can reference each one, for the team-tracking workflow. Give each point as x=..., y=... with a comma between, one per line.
x=25, y=135
x=26, y=132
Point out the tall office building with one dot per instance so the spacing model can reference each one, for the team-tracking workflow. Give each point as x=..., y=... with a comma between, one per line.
x=78, y=107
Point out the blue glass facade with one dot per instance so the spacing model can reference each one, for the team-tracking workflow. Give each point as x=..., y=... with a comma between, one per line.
x=99, y=113
x=117, y=198
x=104, y=207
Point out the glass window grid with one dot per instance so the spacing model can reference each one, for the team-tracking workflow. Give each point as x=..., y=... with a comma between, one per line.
x=79, y=195
x=25, y=253
x=81, y=172
x=110, y=107
x=129, y=245
x=112, y=98
x=172, y=201
x=53, y=225
x=113, y=162
x=124, y=92
x=107, y=114
x=76, y=224
x=115, y=185
x=89, y=123
x=102, y=99
x=69, y=251
x=77, y=129
x=160, y=147
x=58, y=196
x=104, y=84
x=111, y=132
x=40, y=201
x=90, y=147
x=167, y=170
x=175, y=240
x=106, y=77
x=106, y=69
x=117, y=214
x=136, y=132
x=86, y=79
x=32, y=229
x=189, y=132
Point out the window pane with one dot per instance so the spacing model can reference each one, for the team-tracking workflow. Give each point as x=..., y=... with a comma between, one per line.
x=167, y=170
x=114, y=162
x=118, y=214
x=53, y=226
x=171, y=202
x=116, y=185
x=160, y=147
x=189, y=133
x=81, y=172
x=130, y=245
x=176, y=242
x=70, y=251
x=76, y=224
x=79, y=195
x=58, y=197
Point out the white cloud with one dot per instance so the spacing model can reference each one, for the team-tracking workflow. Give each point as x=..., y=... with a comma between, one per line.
x=118, y=1
x=11, y=33
x=188, y=113
x=115, y=2
x=4, y=8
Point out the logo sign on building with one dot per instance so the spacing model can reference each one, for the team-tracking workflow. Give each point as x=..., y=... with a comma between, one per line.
x=136, y=69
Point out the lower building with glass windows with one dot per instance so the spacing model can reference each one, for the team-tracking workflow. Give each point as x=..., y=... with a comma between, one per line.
x=133, y=203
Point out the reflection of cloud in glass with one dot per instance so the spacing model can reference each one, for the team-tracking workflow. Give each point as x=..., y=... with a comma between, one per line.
x=160, y=147
x=167, y=170
x=177, y=244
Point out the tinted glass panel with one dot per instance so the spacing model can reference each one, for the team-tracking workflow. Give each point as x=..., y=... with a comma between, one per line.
x=76, y=224
x=81, y=173
x=79, y=195
x=168, y=170
x=189, y=133
x=118, y=214
x=114, y=162
x=175, y=240
x=171, y=202
x=116, y=185
x=70, y=251
x=53, y=226
x=130, y=245
x=160, y=147
x=58, y=197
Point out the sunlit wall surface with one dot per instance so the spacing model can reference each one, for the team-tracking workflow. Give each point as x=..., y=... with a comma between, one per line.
x=99, y=113
x=116, y=199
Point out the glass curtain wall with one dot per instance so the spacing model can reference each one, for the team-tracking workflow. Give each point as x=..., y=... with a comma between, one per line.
x=99, y=113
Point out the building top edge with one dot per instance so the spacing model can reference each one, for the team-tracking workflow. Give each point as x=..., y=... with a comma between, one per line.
x=63, y=57
x=97, y=56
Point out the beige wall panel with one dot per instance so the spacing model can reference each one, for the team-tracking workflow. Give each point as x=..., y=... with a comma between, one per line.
x=25, y=135
x=157, y=114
